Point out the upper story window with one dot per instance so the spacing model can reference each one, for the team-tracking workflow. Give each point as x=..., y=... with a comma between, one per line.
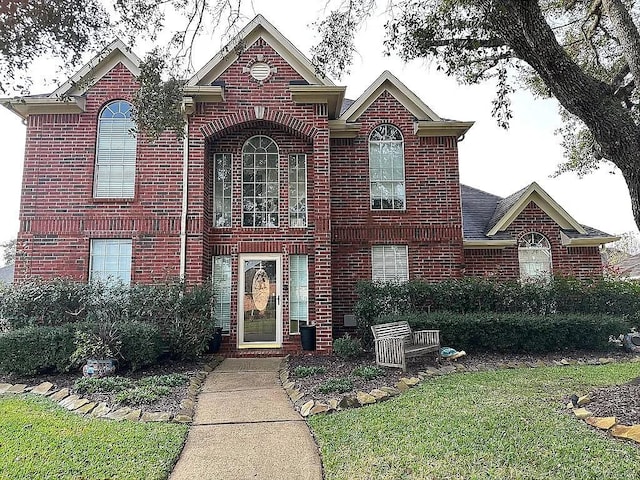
x=386, y=168
x=115, y=152
x=260, y=182
x=222, y=191
x=534, y=257
x=298, y=190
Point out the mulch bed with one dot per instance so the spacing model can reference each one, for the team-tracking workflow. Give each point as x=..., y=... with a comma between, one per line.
x=621, y=401
x=169, y=403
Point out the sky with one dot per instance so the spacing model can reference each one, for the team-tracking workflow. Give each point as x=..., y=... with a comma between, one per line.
x=491, y=159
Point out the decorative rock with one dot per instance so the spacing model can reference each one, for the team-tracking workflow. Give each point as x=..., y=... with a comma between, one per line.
x=391, y=391
x=289, y=385
x=348, y=401
x=605, y=360
x=187, y=404
x=76, y=404
x=604, y=423
x=460, y=367
x=208, y=368
x=43, y=389
x=60, y=395
x=365, y=399
x=413, y=381
x=17, y=388
x=623, y=431
x=333, y=404
x=432, y=371
x=379, y=394
x=182, y=418
x=155, y=417
x=581, y=413
x=101, y=410
x=583, y=400
x=403, y=387
x=84, y=410
x=68, y=400
x=319, y=408
x=133, y=415
x=306, y=408
x=296, y=395
x=593, y=361
x=119, y=414
x=446, y=369
x=4, y=387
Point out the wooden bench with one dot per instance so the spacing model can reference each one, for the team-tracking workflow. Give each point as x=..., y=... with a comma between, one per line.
x=395, y=342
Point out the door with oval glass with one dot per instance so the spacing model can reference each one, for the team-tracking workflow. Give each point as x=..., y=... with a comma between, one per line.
x=260, y=309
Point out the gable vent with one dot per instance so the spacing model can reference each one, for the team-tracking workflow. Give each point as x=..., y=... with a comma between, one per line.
x=260, y=71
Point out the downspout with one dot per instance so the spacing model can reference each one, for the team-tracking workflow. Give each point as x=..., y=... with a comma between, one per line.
x=187, y=108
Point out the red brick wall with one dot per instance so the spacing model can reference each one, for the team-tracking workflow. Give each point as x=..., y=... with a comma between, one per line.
x=430, y=225
x=579, y=262
x=58, y=214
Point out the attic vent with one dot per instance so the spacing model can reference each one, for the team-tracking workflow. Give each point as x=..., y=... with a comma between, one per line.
x=260, y=71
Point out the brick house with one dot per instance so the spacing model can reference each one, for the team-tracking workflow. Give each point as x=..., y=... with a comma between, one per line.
x=282, y=191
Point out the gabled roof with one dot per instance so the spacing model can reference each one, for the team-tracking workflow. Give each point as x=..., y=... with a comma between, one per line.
x=114, y=53
x=259, y=27
x=485, y=217
x=387, y=81
x=67, y=98
x=509, y=208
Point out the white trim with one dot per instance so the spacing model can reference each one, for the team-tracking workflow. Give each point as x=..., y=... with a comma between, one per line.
x=266, y=181
x=395, y=182
x=241, y=283
x=388, y=82
x=259, y=27
x=185, y=199
x=542, y=199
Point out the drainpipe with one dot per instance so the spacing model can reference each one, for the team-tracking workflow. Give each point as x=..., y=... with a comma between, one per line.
x=187, y=108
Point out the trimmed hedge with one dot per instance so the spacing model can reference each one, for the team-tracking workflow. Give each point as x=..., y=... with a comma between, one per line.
x=517, y=333
x=44, y=349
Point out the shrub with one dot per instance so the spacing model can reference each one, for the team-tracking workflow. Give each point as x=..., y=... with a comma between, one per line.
x=170, y=380
x=102, y=385
x=338, y=385
x=487, y=331
x=34, y=350
x=141, y=344
x=367, y=372
x=142, y=395
x=308, y=371
x=347, y=347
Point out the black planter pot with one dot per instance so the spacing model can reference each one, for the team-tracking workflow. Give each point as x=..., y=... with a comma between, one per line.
x=216, y=341
x=308, y=337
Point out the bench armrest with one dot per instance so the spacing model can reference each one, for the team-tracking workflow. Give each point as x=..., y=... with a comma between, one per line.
x=426, y=337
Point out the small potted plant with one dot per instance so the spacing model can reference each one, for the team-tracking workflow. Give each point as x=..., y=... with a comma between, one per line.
x=99, y=350
x=216, y=340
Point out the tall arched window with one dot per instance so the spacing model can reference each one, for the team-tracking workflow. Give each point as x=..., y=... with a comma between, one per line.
x=534, y=256
x=386, y=168
x=260, y=182
x=115, y=152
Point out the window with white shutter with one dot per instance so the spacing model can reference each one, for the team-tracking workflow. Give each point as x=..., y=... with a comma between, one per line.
x=390, y=263
x=110, y=260
x=534, y=256
x=222, y=291
x=298, y=292
x=386, y=168
x=115, y=168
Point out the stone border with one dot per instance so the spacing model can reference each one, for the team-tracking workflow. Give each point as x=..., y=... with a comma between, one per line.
x=307, y=406
x=608, y=424
x=85, y=407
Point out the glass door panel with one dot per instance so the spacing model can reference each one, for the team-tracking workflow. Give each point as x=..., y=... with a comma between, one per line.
x=260, y=300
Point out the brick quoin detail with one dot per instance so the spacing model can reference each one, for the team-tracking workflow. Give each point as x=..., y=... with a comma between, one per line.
x=59, y=216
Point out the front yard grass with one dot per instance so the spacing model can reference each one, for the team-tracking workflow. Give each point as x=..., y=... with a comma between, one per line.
x=39, y=440
x=506, y=424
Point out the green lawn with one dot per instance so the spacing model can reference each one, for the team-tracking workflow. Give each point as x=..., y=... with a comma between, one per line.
x=39, y=440
x=508, y=424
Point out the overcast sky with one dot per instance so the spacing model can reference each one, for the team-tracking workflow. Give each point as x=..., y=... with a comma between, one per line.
x=492, y=159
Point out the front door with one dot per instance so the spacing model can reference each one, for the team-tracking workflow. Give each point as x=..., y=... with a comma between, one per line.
x=260, y=310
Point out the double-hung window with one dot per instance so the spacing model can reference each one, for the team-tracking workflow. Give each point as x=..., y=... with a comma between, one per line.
x=390, y=263
x=386, y=168
x=110, y=260
x=115, y=168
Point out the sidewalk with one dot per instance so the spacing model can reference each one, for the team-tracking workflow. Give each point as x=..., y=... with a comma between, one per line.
x=246, y=428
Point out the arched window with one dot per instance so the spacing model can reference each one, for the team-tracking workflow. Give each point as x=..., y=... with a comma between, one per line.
x=115, y=152
x=386, y=168
x=534, y=256
x=260, y=182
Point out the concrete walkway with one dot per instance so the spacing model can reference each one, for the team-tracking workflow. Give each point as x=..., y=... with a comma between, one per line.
x=246, y=428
